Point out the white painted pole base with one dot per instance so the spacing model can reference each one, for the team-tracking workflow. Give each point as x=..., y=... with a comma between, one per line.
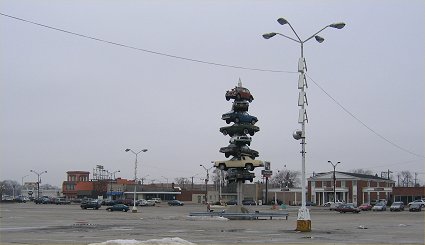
x=303, y=220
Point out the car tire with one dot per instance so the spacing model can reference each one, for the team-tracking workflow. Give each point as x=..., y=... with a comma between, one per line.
x=124, y=210
x=227, y=155
x=237, y=120
x=227, y=98
x=222, y=166
x=224, y=132
x=228, y=121
x=238, y=97
x=253, y=122
x=249, y=166
x=246, y=131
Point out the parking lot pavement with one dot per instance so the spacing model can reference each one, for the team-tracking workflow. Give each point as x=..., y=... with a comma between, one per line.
x=28, y=223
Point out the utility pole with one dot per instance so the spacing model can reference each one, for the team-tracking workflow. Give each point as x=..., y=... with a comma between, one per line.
x=334, y=165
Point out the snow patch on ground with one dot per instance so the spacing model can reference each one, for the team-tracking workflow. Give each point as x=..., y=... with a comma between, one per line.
x=167, y=241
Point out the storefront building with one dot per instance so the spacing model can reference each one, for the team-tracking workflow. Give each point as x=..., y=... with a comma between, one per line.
x=350, y=188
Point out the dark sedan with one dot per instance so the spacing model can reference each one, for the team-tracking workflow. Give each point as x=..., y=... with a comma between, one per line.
x=249, y=202
x=347, y=208
x=175, y=203
x=239, y=117
x=415, y=207
x=397, y=206
x=90, y=204
x=118, y=207
x=239, y=129
x=233, y=150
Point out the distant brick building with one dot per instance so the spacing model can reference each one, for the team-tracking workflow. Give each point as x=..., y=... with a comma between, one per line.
x=350, y=187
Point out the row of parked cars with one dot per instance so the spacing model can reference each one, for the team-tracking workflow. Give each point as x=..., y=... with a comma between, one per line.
x=415, y=206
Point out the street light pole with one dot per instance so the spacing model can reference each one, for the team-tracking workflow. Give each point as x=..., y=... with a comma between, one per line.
x=112, y=174
x=134, y=210
x=38, y=181
x=334, y=177
x=206, y=182
x=303, y=221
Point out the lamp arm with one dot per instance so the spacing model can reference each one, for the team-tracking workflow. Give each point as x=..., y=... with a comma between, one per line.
x=315, y=34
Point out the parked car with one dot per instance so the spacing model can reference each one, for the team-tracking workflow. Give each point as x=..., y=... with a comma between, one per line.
x=242, y=162
x=175, y=203
x=347, y=208
x=238, y=151
x=334, y=205
x=248, y=202
x=327, y=204
x=239, y=117
x=109, y=202
x=21, y=199
x=239, y=93
x=397, y=206
x=240, y=105
x=156, y=199
x=144, y=203
x=118, y=207
x=380, y=206
x=232, y=202
x=420, y=201
x=94, y=204
x=365, y=207
x=62, y=201
x=235, y=174
x=415, y=207
x=240, y=140
x=128, y=202
x=239, y=129
x=309, y=203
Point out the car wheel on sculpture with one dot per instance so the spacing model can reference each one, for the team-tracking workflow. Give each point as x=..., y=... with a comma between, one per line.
x=249, y=167
x=222, y=166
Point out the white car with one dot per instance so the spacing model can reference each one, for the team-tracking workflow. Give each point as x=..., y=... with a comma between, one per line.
x=242, y=162
x=380, y=206
x=420, y=201
x=240, y=140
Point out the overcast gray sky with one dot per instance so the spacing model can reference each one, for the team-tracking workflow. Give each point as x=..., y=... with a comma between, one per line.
x=71, y=103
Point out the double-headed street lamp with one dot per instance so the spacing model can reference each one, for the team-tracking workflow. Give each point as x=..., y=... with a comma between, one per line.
x=206, y=181
x=303, y=221
x=134, y=210
x=334, y=165
x=38, y=181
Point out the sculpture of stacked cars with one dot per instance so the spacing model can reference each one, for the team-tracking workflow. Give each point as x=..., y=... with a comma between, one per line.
x=243, y=158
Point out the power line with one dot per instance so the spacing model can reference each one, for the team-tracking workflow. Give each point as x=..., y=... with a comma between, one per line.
x=215, y=64
x=362, y=123
x=146, y=50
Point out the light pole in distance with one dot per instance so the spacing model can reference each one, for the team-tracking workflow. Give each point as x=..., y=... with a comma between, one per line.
x=206, y=182
x=334, y=177
x=112, y=174
x=134, y=210
x=303, y=220
x=38, y=181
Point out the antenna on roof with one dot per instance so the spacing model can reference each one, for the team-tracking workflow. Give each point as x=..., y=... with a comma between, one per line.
x=239, y=83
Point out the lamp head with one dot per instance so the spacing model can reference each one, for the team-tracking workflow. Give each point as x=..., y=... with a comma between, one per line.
x=269, y=35
x=319, y=39
x=145, y=150
x=282, y=21
x=338, y=25
x=127, y=150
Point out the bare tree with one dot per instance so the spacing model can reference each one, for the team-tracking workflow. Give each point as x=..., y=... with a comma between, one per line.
x=183, y=182
x=286, y=178
x=406, y=178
